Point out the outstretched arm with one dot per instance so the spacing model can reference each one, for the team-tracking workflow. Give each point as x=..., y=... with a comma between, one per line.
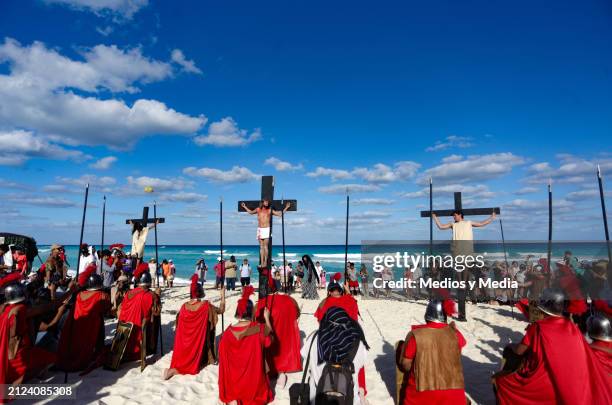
x=485, y=222
x=278, y=213
x=243, y=205
x=439, y=224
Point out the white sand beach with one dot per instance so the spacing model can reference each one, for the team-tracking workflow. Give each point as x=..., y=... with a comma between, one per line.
x=385, y=321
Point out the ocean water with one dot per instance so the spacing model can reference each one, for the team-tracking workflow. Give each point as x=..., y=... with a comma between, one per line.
x=332, y=256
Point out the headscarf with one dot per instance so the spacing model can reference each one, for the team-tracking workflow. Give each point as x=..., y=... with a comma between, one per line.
x=338, y=335
x=307, y=261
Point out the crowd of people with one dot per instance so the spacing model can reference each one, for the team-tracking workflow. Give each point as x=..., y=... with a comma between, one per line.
x=52, y=320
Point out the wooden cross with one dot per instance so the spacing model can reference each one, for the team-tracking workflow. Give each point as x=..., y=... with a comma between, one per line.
x=145, y=218
x=458, y=207
x=267, y=193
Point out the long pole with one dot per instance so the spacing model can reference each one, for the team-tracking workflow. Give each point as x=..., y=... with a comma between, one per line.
x=221, y=251
x=550, y=223
x=161, y=340
x=73, y=298
x=430, y=216
x=283, y=236
x=103, y=223
x=346, y=238
x=603, y=212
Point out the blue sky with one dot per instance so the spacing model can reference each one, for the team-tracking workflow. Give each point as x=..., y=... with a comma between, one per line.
x=198, y=100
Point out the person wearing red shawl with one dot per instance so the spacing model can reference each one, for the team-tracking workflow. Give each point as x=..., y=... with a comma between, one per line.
x=242, y=376
x=430, y=357
x=337, y=296
x=569, y=283
x=24, y=359
x=82, y=338
x=194, y=340
x=600, y=332
x=557, y=366
x=138, y=307
x=283, y=356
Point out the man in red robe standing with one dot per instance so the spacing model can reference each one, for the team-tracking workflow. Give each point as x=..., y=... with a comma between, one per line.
x=24, y=359
x=242, y=376
x=138, y=307
x=431, y=359
x=600, y=331
x=194, y=341
x=558, y=366
x=337, y=296
x=82, y=338
x=283, y=356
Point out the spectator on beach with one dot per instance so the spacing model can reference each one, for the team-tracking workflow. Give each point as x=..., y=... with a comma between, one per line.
x=230, y=273
x=6, y=258
x=153, y=271
x=165, y=271
x=219, y=273
x=407, y=279
x=290, y=277
x=21, y=261
x=299, y=275
x=363, y=275
x=353, y=281
x=86, y=257
x=387, y=276
x=322, y=274
x=172, y=273
x=245, y=273
x=201, y=270
x=107, y=269
x=55, y=269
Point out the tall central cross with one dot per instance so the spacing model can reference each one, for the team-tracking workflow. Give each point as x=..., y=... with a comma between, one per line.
x=267, y=193
x=458, y=207
x=145, y=220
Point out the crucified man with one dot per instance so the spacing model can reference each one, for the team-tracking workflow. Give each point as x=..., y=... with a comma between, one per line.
x=263, y=226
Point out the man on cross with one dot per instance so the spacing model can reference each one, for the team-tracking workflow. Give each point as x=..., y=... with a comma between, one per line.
x=462, y=229
x=264, y=212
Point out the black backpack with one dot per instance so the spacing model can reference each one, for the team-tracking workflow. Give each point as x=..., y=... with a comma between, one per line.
x=336, y=387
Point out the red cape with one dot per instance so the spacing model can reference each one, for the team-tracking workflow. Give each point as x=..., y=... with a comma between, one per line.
x=190, y=339
x=89, y=270
x=29, y=360
x=242, y=376
x=283, y=356
x=560, y=369
x=346, y=302
x=4, y=338
x=83, y=332
x=136, y=306
x=570, y=284
x=603, y=352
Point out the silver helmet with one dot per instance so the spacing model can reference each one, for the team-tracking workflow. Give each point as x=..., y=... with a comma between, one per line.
x=552, y=302
x=95, y=282
x=599, y=328
x=14, y=293
x=435, y=311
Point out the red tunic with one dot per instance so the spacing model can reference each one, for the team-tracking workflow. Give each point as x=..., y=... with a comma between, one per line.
x=190, y=339
x=283, y=356
x=136, y=306
x=29, y=360
x=603, y=353
x=242, y=376
x=411, y=395
x=346, y=302
x=83, y=333
x=559, y=358
x=4, y=338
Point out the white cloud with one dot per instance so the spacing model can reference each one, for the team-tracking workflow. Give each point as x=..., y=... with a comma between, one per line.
x=236, y=174
x=478, y=191
x=372, y=201
x=118, y=8
x=183, y=197
x=350, y=188
x=371, y=214
x=37, y=96
x=472, y=168
x=178, y=57
x=335, y=174
x=571, y=169
x=158, y=184
x=17, y=147
x=527, y=190
x=41, y=201
x=104, y=163
x=452, y=141
x=281, y=165
x=226, y=133
x=92, y=180
x=381, y=173
x=588, y=194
